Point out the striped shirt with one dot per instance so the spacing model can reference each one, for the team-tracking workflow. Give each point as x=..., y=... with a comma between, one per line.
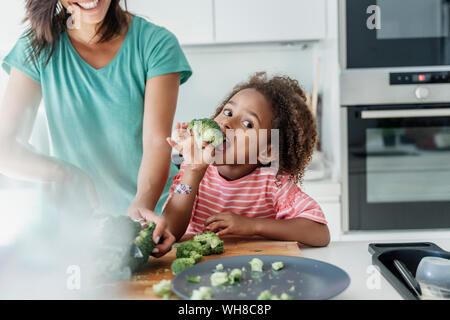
x=260, y=194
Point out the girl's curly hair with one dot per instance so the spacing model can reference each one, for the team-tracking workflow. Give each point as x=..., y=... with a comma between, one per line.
x=291, y=115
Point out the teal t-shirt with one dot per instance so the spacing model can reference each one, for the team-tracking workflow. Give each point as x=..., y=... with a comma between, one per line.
x=95, y=115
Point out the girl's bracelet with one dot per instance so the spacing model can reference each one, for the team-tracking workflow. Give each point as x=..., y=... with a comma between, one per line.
x=182, y=189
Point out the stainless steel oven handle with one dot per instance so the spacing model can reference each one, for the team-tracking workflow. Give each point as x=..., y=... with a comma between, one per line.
x=406, y=113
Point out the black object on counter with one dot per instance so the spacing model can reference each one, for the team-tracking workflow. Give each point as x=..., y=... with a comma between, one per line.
x=410, y=255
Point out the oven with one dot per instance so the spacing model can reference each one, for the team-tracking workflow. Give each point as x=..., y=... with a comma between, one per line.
x=396, y=33
x=397, y=167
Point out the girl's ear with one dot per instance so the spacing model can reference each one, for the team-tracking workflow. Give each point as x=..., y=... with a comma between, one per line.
x=265, y=156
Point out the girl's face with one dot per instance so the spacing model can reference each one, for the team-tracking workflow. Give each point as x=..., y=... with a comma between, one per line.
x=248, y=114
x=88, y=11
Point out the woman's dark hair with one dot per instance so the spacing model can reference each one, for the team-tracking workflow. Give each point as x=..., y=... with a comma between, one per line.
x=291, y=115
x=48, y=19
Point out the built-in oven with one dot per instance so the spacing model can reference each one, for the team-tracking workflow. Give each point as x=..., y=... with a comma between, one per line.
x=396, y=33
x=397, y=166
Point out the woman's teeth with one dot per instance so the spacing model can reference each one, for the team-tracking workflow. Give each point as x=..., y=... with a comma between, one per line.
x=88, y=5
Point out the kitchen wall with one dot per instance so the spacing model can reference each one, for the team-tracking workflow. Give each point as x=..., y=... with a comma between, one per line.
x=218, y=68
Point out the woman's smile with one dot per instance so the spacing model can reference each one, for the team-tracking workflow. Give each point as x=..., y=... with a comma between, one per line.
x=88, y=5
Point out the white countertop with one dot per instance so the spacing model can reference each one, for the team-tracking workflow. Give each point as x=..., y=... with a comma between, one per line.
x=355, y=259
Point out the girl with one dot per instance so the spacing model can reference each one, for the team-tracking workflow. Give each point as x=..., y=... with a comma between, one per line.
x=227, y=198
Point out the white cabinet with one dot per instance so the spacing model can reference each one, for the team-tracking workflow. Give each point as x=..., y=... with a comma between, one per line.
x=269, y=20
x=190, y=20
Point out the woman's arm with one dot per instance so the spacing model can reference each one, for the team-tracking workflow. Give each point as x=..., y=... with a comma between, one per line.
x=161, y=94
x=297, y=229
x=18, y=159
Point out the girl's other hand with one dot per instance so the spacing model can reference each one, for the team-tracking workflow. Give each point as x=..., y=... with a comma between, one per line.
x=230, y=223
x=195, y=157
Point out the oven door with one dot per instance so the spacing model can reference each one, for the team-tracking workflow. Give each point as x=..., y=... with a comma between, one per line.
x=398, y=167
x=397, y=33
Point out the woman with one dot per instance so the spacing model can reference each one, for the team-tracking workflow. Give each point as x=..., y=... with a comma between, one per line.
x=109, y=82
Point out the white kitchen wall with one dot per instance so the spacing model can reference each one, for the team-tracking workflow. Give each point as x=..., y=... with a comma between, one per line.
x=216, y=69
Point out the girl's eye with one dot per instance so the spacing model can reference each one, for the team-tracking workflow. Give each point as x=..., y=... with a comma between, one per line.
x=247, y=124
x=227, y=113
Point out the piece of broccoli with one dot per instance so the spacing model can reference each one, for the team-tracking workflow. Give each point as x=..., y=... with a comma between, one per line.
x=211, y=243
x=256, y=264
x=202, y=293
x=180, y=264
x=219, y=279
x=190, y=249
x=265, y=295
x=194, y=279
x=219, y=267
x=277, y=265
x=162, y=288
x=206, y=130
x=235, y=276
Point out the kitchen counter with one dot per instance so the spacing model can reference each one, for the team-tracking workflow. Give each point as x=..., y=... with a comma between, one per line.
x=355, y=259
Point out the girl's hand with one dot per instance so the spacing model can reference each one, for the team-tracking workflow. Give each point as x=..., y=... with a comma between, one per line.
x=231, y=223
x=195, y=157
x=161, y=236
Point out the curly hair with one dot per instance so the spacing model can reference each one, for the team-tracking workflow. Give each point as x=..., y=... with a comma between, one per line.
x=291, y=116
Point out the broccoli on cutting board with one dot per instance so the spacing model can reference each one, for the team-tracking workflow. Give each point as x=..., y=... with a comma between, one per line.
x=206, y=130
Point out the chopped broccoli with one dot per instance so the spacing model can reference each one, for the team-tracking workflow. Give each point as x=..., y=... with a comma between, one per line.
x=265, y=295
x=277, y=265
x=292, y=289
x=219, y=267
x=206, y=130
x=162, y=288
x=211, y=243
x=285, y=296
x=193, y=279
x=190, y=249
x=203, y=293
x=180, y=264
x=235, y=276
x=256, y=264
x=219, y=278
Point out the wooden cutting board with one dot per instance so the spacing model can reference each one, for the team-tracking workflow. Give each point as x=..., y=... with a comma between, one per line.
x=140, y=286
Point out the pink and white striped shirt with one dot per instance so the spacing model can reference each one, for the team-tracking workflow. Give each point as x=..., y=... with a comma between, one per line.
x=260, y=194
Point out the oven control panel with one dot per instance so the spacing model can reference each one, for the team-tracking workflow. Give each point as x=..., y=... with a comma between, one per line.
x=419, y=77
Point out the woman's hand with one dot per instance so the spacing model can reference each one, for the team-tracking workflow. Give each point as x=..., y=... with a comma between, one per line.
x=195, y=157
x=231, y=223
x=161, y=236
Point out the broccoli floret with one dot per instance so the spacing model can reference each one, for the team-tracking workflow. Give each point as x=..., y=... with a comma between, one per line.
x=180, y=264
x=211, y=243
x=190, y=249
x=235, y=276
x=277, y=265
x=219, y=278
x=219, y=267
x=256, y=264
x=194, y=279
x=203, y=293
x=206, y=130
x=162, y=288
x=265, y=295
x=144, y=242
x=285, y=296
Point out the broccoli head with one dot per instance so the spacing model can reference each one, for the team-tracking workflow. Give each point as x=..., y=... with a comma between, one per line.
x=119, y=240
x=180, y=264
x=206, y=130
x=202, y=293
x=211, y=243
